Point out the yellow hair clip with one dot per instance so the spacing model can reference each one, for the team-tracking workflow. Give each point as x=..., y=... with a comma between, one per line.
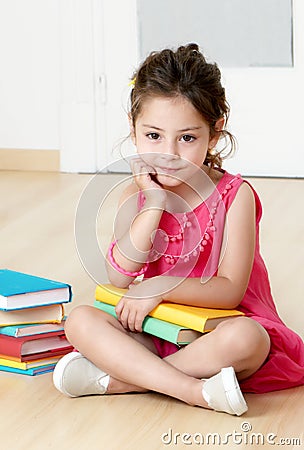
x=132, y=82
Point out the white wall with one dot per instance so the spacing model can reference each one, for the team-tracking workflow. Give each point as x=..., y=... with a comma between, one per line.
x=29, y=74
x=63, y=80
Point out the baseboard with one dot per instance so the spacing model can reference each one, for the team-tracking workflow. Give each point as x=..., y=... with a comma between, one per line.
x=38, y=160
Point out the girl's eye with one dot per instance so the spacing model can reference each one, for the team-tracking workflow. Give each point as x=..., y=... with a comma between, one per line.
x=188, y=138
x=153, y=136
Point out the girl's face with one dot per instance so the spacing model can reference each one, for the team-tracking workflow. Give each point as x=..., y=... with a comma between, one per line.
x=171, y=136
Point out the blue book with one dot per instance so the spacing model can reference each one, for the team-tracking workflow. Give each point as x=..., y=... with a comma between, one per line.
x=33, y=371
x=20, y=290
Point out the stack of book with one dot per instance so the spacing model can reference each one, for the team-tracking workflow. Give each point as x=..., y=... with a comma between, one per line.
x=32, y=337
x=173, y=322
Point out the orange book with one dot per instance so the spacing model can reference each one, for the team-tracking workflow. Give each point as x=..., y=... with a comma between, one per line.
x=39, y=314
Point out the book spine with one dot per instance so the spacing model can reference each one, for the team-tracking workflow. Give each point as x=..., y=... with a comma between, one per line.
x=14, y=364
x=8, y=331
x=33, y=371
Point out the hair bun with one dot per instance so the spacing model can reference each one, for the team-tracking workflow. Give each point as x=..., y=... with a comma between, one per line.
x=193, y=47
x=189, y=49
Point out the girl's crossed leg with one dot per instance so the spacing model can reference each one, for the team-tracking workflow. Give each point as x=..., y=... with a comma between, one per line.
x=133, y=365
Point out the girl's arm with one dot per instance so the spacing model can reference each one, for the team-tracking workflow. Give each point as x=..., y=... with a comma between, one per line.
x=132, y=234
x=226, y=290
x=133, y=229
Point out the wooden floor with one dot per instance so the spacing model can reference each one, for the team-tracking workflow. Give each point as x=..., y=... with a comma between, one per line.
x=37, y=212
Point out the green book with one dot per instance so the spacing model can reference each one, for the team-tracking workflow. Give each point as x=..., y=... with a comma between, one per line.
x=169, y=331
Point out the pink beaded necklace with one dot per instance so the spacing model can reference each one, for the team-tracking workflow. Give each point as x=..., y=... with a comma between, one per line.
x=185, y=225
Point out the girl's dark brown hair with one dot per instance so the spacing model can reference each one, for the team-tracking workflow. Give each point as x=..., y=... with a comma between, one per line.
x=185, y=72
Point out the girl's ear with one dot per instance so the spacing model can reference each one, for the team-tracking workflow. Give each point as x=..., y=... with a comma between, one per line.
x=132, y=129
x=219, y=125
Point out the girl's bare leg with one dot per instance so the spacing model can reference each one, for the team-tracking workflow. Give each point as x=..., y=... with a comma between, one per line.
x=131, y=365
x=239, y=342
x=134, y=367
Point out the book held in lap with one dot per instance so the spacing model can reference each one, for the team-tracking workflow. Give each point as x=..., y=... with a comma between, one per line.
x=195, y=318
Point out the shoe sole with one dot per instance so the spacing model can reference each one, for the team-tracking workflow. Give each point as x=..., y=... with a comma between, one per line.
x=233, y=392
x=58, y=373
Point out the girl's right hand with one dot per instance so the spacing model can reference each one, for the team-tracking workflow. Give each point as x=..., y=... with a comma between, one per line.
x=145, y=178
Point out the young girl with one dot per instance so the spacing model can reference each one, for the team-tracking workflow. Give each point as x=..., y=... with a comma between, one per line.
x=192, y=230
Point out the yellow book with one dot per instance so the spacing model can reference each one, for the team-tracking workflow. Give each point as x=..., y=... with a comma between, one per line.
x=196, y=318
x=39, y=314
x=28, y=364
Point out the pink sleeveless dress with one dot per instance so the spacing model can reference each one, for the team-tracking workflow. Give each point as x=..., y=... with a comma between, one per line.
x=189, y=245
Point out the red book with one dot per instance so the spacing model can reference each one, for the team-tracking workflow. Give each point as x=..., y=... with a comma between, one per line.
x=27, y=348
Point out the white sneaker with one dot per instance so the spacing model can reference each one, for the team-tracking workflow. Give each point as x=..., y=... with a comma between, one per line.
x=75, y=376
x=222, y=393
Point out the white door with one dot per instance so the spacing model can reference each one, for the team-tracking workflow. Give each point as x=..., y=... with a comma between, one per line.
x=266, y=102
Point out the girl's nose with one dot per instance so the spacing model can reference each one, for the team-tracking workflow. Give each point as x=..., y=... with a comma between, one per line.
x=171, y=150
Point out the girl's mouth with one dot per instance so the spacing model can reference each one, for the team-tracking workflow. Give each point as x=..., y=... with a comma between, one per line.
x=166, y=170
